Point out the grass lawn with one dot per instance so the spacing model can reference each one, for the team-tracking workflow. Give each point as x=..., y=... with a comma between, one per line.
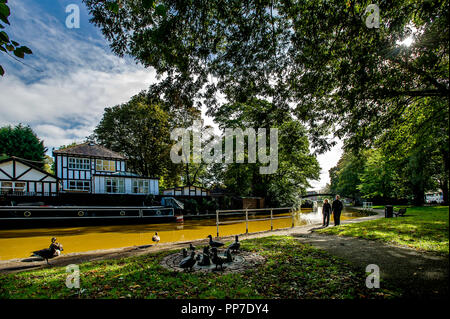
x=291, y=270
x=422, y=228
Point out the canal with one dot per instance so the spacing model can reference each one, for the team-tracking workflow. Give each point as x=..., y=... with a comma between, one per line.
x=19, y=243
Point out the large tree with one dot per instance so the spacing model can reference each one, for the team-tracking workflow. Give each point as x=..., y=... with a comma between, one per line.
x=21, y=141
x=296, y=165
x=141, y=132
x=320, y=56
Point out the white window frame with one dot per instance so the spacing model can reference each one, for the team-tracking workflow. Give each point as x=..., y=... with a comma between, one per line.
x=14, y=187
x=101, y=167
x=79, y=163
x=84, y=186
x=114, y=185
x=141, y=186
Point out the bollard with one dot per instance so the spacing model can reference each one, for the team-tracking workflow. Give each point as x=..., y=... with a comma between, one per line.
x=271, y=219
x=246, y=221
x=217, y=222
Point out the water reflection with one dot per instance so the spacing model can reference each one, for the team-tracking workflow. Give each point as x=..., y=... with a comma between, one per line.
x=19, y=243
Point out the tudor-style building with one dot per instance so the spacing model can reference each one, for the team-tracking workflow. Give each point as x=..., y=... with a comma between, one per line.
x=20, y=177
x=92, y=168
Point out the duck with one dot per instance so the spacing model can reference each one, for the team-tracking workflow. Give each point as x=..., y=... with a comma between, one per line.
x=48, y=253
x=188, y=262
x=213, y=243
x=191, y=247
x=236, y=245
x=156, y=238
x=184, y=252
x=216, y=259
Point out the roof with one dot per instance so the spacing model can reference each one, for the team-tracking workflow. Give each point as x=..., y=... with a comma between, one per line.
x=27, y=163
x=90, y=149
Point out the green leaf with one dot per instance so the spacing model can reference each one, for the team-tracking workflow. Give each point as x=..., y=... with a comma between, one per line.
x=4, y=37
x=4, y=19
x=2, y=71
x=25, y=49
x=19, y=53
x=161, y=10
x=15, y=43
x=113, y=7
x=147, y=4
x=9, y=47
x=4, y=10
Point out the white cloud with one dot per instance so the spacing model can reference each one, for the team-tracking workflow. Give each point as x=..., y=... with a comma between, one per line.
x=72, y=76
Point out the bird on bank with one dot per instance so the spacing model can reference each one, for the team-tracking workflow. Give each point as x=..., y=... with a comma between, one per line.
x=188, y=262
x=184, y=252
x=236, y=245
x=216, y=259
x=191, y=247
x=214, y=243
x=155, y=238
x=48, y=253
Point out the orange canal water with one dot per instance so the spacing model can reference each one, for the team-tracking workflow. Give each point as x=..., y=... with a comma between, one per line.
x=18, y=243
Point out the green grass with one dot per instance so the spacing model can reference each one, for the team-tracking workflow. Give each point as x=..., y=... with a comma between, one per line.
x=395, y=206
x=291, y=270
x=422, y=228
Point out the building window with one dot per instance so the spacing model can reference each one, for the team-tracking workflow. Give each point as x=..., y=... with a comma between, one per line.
x=79, y=163
x=83, y=186
x=6, y=187
x=140, y=186
x=115, y=185
x=105, y=165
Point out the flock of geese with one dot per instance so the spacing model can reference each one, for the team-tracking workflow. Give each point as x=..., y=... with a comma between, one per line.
x=188, y=262
x=206, y=258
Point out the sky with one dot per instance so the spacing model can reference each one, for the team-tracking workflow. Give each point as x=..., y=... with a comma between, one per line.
x=62, y=89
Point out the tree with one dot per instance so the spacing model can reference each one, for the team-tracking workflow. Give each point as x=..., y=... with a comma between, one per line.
x=140, y=131
x=345, y=176
x=6, y=44
x=378, y=179
x=320, y=56
x=295, y=163
x=20, y=141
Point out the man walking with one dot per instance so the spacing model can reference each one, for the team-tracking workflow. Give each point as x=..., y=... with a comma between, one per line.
x=336, y=208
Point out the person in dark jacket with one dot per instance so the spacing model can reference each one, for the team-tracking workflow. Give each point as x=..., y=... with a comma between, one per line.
x=326, y=211
x=336, y=209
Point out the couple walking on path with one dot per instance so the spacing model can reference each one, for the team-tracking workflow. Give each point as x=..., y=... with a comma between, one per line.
x=335, y=209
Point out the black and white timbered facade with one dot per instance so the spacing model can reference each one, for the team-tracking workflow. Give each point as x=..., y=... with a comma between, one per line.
x=21, y=177
x=92, y=168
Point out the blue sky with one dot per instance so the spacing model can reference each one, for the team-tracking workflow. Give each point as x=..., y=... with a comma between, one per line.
x=72, y=76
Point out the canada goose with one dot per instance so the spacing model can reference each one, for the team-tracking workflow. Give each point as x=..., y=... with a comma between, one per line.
x=155, y=238
x=236, y=245
x=213, y=243
x=191, y=247
x=49, y=253
x=188, y=262
x=216, y=259
x=184, y=252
